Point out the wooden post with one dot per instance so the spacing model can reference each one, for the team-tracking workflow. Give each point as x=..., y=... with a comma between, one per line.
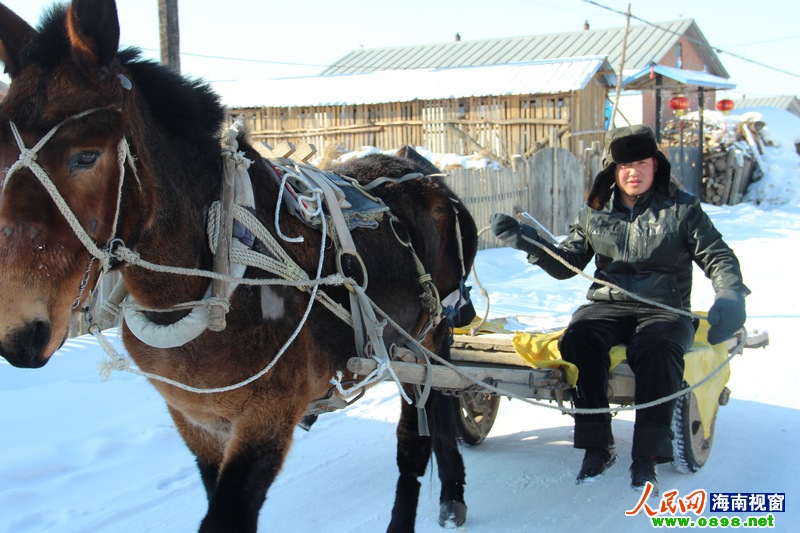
x=621, y=67
x=222, y=257
x=753, y=142
x=658, y=109
x=554, y=145
x=169, y=34
x=701, y=136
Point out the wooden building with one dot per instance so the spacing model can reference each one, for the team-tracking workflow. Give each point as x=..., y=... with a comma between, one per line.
x=501, y=97
x=499, y=111
x=676, y=43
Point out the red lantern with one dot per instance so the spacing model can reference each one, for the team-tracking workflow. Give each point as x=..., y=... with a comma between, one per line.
x=725, y=105
x=679, y=103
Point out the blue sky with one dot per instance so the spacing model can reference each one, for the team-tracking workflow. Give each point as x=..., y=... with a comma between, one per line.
x=299, y=40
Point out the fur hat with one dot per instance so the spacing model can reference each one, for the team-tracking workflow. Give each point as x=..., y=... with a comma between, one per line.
x=625, y=145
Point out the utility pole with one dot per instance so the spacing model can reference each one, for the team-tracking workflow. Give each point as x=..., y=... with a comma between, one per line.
x=169, y=34
x=621, y=67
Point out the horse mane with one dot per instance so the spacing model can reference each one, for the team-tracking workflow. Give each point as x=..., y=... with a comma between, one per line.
x=426, y=205
x=188, y=109
x=50, y=45
x=379, y=165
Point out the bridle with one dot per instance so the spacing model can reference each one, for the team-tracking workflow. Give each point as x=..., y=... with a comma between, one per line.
x=28, y=159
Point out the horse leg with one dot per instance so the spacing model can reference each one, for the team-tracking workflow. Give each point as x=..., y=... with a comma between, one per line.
x=450, y=463
x=253, y=458
x=443, y=411
x=207, y=449
x=413, y=454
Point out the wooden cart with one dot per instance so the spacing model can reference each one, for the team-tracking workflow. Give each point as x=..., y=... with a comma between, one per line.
x=490, y=358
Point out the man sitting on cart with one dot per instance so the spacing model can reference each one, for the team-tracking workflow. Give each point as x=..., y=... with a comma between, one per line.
x=644, y=232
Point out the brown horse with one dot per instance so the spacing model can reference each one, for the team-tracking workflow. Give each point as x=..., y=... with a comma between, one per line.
x=104, y=152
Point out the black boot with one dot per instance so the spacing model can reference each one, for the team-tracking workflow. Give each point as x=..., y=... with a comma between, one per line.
x=595, y=463
x=643, y=469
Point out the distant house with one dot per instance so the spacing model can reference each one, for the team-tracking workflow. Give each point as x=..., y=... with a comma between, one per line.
x=500, y=97
x=498, y=111
x=678, y=43
x=788, y=103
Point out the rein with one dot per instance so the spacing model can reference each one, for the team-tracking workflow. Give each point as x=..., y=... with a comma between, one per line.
x=603, y=282
x=600, y=410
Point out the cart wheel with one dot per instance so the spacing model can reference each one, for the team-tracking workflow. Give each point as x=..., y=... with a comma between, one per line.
x=690, y=447
x=478, y=411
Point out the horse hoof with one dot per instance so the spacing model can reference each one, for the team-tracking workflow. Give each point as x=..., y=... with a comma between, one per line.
x=452, y=514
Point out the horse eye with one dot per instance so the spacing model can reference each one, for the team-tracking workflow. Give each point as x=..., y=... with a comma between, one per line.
x=87, y=158
x=83, y=160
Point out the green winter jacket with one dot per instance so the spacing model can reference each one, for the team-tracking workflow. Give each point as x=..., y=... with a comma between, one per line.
x=647, y=250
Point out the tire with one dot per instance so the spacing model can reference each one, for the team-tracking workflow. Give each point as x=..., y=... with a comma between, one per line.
x=477, y=412
x=689, y=445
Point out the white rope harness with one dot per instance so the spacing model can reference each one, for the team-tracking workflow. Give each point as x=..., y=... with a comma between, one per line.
x=277, y=262
x=293, y=276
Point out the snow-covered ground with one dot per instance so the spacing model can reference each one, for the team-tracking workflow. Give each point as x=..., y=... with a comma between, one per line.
x=81, y=455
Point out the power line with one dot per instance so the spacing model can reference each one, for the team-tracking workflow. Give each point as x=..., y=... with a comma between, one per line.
x=248, y=60
x=694, y=41
x=592, y=2
x=789, y=38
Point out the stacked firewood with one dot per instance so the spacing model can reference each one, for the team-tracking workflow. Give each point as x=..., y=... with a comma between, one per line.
x=732, y=153
x=718, y=180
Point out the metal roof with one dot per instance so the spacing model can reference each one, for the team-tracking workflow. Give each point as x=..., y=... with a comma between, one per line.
x=539, y=77
x=788, y=103
x=646, y=44
x=675, y=79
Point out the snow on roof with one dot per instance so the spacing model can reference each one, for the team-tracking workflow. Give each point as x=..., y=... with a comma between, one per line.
x=539, y=77
x=645, y=43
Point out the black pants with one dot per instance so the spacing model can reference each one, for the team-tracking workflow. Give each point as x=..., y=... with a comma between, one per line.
x=656, y=342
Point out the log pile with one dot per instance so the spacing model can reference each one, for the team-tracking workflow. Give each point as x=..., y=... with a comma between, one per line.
x=732, y=154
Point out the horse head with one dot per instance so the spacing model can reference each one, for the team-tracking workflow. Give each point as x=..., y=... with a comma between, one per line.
x=69, y=187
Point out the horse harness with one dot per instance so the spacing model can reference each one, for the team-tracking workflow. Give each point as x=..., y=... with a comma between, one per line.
x=232, y=229
x=323, y=200
x=350, y=205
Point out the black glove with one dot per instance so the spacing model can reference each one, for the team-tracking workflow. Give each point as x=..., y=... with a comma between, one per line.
x=513, y=234
x=726, y=316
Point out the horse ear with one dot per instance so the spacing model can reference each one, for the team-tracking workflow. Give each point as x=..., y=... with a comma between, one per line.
x=15, y=34
x=93, y=30
x=420, y=162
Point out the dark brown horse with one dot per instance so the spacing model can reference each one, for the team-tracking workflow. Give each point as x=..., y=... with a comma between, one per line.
x=103, y=152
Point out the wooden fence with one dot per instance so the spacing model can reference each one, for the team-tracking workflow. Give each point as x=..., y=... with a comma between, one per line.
x=498, y=127
x=551, y=187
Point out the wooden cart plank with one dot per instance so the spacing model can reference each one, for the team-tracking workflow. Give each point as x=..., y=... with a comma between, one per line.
x=447, y=378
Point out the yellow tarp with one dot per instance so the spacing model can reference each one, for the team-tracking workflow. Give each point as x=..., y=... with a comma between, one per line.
x=485, y=327
x=540, y=350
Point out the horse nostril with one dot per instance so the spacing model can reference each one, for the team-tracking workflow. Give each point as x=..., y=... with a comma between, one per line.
x=25, y=348
x=34, y=338
x=40, y=335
